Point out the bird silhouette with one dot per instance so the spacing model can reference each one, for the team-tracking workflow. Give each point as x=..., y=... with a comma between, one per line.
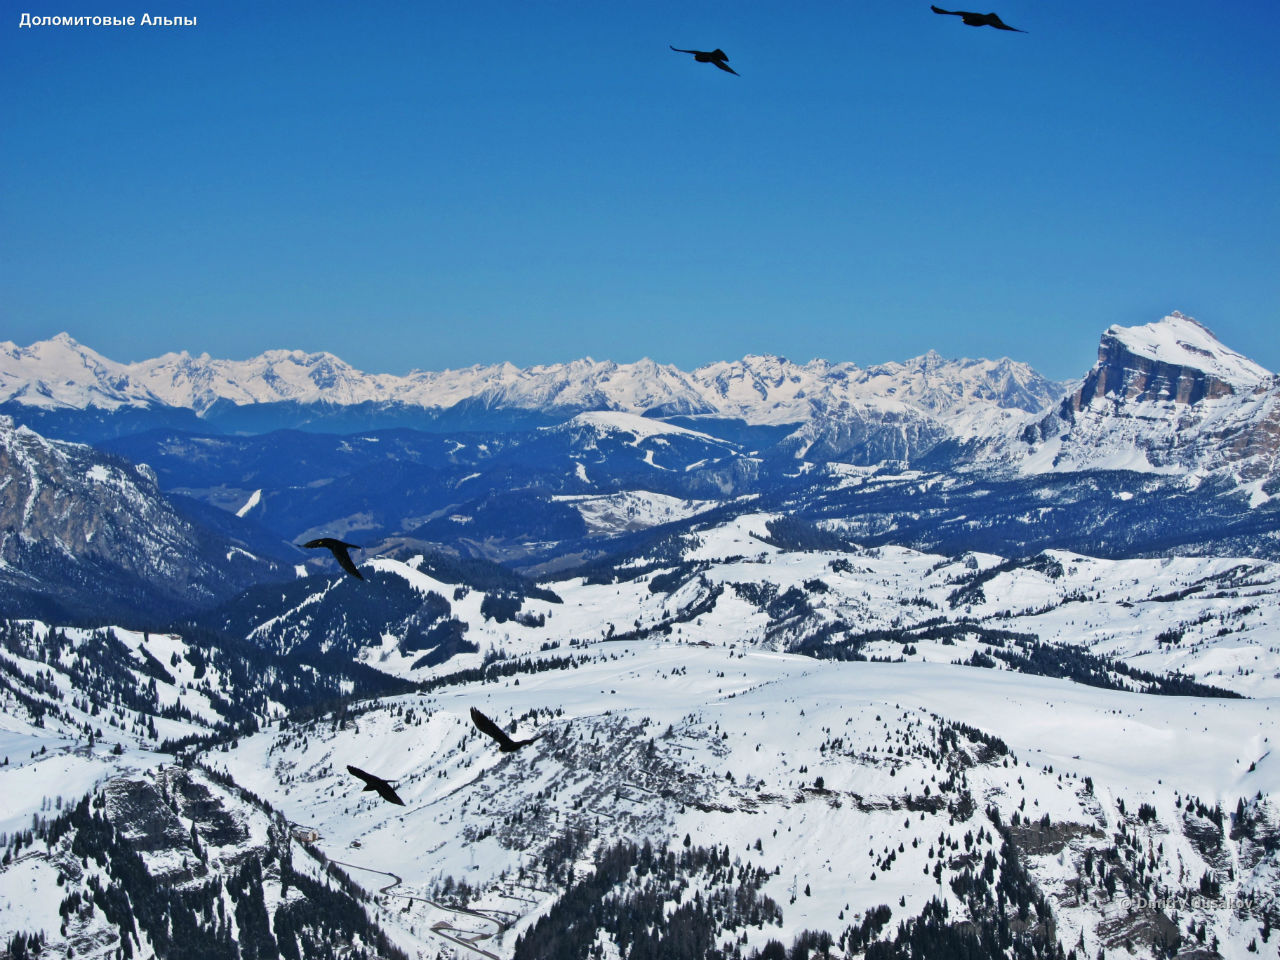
x=371, y=782
x=505, y=743
x=978, y=19
x=339, y=551
x=717, y=56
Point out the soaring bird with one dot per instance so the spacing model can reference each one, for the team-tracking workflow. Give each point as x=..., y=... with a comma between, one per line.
x=371, y=782
x=339, y=551
x=505, y=743
x=717, y=56
x=978, y=19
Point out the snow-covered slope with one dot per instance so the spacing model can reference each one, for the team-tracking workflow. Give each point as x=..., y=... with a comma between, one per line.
x=850, y=785
x=1180, y=343
x=165, y=861
x=669, y=708
x=1211, y=620
x=611, y=514
x=113, y=685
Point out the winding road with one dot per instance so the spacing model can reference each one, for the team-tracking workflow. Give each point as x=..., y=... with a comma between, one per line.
x=501, y=919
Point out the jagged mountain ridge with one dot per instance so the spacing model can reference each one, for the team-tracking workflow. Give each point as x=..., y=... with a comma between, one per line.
x=1168, y=397
x=63, y=388
x=759, y=389
x=1164, y=397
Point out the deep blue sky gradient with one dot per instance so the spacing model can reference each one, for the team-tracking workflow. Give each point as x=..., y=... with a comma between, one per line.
x=446, y=184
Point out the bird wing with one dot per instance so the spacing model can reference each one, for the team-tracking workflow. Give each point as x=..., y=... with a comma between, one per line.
x=328, y=543
x=339, y=550
x=724, y=66
x=678, y=50
x=1001, y=25
x=368, y=778
x=485, y=725
x=953, y=13
x=387, y=793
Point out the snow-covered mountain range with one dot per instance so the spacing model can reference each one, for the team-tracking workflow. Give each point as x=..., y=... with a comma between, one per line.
x=1163, y=397
x=872, y=803
x=759, y=389
x=900, y=409
x=1207, y=619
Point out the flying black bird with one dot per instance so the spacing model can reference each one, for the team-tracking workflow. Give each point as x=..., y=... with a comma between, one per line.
x=978, y=19
x=339, y=551
x=371, y=782
x=505, y=743
x=717, y=56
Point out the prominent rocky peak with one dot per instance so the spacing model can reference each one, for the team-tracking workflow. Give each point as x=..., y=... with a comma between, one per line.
x=1174, y=359
x=1166, y=397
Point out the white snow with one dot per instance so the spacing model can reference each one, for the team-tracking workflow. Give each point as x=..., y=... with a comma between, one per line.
x=609, y=514
x=1181, y=341
x=254, y=499
x=767, y=720
x=640, y=428
x=760, y=389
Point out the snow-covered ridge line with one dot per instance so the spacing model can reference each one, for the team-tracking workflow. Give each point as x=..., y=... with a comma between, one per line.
x=61, y=373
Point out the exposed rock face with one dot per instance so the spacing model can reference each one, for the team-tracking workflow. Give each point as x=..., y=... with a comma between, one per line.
x=1137, y=364
x=89, y=534
x=866, y=438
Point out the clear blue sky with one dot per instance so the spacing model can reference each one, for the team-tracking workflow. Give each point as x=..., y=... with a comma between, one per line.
x=440, y=184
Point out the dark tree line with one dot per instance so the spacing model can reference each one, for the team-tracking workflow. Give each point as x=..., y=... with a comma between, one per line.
x=1022, y=652
x=626, y=894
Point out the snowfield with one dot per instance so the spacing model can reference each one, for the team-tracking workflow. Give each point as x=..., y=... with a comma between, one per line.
x=1216, y=620
x=659, y=740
